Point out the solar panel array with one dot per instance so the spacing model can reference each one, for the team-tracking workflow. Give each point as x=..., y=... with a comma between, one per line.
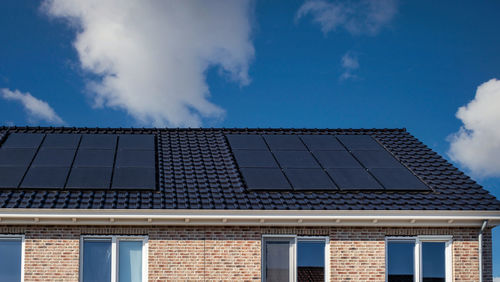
x=319, y=162
x=78, y=161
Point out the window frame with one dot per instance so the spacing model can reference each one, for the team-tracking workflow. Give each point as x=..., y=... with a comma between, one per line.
x=417, y=254
x=293, y=240
x=20, y=237
x=115, y=240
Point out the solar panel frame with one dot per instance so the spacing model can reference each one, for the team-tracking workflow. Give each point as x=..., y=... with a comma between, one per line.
x=99, y=141
x=306, y=179
x=135, y=158
x=284, y=143
x=359, y=142
x=336, y=159
x=399, y=179
x=246, y=142
x=61, y=141
x=136, y=142
x=45, y=178
x=252, y=158
x=265, y=179
x=377, y=159
x=16, y=157
x=133, y=178
x=94, y=158
x=23, y=140
x=322, y=142
x=296, y=159
x=54, y=158
x=354, y=179
x=11, y=177
x=89, y=178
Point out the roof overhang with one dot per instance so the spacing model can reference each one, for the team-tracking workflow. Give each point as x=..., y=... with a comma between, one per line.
x=149, y=217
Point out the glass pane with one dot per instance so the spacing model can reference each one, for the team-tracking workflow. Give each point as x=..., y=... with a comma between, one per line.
x=400, y=261
x=97, y=261
x=10, y=259
x=130, y=261
x=310, y=261
x=277, y=254
x=433, y=261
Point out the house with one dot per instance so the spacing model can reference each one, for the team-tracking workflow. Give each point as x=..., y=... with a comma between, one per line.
x=100, y=204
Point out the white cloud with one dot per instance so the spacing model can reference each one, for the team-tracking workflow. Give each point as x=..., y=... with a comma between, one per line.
x=151, y=57
x=36, y=109
x=357, y=17
x=476, y=145
x=496, y=279
x=349, y=63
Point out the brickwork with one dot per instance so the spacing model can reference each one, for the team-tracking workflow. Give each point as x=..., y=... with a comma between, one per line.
x=234, y=253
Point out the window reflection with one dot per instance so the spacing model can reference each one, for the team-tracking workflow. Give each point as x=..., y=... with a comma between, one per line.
x=400, y=261
x=97, y=261
x=10, y=259
x=310, y=261
x=433, y=261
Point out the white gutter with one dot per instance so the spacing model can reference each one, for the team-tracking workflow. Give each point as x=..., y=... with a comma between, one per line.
x=485, y=223
x=406, y=218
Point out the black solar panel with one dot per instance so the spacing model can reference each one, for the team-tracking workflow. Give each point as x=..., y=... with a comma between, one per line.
x=45, y=177
x=135, y=178
x=248, y=158
x=353, y=179
x=322, y=142
x=10, y=177
x=359, y=142
x=61, y=141
x=54, y=158
x=296, y=159
x=377, y=159
x=136, y=142
x=89, y=178
x=265, y=179
x=336, y=159
x=94, y=158
x=309, y=179
x=284, y=142
x=23, y=140
x=98, y=141
x=16, y=157
x=398, y=179
x=247, y=142
x=135, y=158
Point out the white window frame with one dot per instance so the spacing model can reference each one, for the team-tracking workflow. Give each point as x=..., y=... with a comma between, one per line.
x=293, y=240
x=115, y=239
x=417, y=254
x=16, y=237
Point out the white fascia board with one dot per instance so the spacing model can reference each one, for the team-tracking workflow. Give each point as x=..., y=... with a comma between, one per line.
x=408, y=218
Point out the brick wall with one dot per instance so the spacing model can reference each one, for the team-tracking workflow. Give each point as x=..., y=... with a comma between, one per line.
x=233, y=253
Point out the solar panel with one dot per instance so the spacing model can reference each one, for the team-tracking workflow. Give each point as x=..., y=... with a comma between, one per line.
x=135, y=158
x=296, y=159
x=336, y=159
x=247, y=158
x=359, y=142
x=98, y=141
x=284, y=142
x=54, y=158
x=309, y=179
x=265, y=179
x=377, y=159
x=136, y=142
x=16, y=157
x=45, y=177
x=353, y=179
x=61, y=141
x=248, y=142
x=322, y=142
x=23, y=140
x=136, y=178
x=398, y=179
x=94, y=158
x=89, y=178
x=10, y=177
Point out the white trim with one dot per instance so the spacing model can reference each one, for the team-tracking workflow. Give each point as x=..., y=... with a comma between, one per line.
x=402, y=218
x=20, y=237
x=115, y=240
x=294, y=239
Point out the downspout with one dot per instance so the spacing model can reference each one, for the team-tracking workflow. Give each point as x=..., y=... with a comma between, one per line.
x=485, y=223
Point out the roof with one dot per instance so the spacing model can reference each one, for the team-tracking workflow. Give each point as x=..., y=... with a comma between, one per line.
x=197, y=170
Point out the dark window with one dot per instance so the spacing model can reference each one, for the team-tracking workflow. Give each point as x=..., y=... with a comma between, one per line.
x=10, y=259
x=277, y=255
x=400, y=261
x=433, y=261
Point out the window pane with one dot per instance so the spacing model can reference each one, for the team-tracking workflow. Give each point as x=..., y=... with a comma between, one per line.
x=10, y=259
x=400, y=258
x=433, y=261
x=310, y=261
x=130, y=261
x=97, y=261
x=277, y=257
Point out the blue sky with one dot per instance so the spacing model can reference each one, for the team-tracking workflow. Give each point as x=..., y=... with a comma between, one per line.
x=405, y=64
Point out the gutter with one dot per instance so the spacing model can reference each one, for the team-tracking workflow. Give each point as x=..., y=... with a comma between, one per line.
x=402, y=218
x=485, y=224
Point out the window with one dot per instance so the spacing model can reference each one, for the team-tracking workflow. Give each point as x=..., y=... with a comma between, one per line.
x=292, y=258
x=11, y=257
x=113, y=259
x=419, y=259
